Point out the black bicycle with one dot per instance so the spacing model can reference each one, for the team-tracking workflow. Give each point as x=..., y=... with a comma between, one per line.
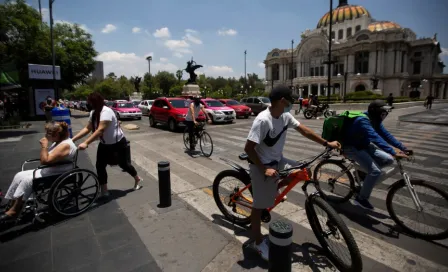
x=205, y=140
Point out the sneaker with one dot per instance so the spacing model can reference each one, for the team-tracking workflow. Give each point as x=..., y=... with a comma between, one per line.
x=364, y=203
x=262, y=249
x=138, y=186
x=284, y=197
x=104, y=194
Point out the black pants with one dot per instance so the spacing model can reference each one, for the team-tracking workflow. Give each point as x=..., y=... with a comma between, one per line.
x=105, y=151
x=190, y=126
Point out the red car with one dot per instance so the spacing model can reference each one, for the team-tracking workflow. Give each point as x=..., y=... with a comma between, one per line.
x=240, y=109
x=171, y=111
x=126, y=110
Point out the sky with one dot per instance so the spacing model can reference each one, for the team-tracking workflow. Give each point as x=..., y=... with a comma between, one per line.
x=217, y=32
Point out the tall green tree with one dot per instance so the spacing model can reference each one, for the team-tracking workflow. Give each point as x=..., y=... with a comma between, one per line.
x=179, y=74
x=26, y=39
x=165, y=81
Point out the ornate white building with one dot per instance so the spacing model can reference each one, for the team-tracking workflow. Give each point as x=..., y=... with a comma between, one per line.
x=364, y=51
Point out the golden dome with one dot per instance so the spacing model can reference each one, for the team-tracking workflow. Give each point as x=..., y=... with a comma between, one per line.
x=383, y=25
x=342, y=13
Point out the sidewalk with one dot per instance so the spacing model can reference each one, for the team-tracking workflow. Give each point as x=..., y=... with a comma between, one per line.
x=434, y=117
x=102, y=239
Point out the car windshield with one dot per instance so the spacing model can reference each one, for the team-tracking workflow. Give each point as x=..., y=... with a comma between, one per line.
x=109, y=103
x=179, y=104
x=232, y=102
x=125, y=105
x=265, y=100
x=135, y=103
x=213, y=103
x=150, y=103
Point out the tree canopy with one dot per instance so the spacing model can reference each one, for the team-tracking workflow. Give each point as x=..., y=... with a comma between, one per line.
x=25, y=39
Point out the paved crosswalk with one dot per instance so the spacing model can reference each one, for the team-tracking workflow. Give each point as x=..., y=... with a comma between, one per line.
x=382, y=247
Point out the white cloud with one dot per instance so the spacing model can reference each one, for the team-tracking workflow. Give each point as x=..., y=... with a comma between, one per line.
x=444, y=52
x=45, y=14
x=193, y=39
x=227, y=32
x=82, y=26
x=261, y=65
x=136, y=30
x=213, y=70
x=109, y=28
x=177, y=55
x=163, y=60
x=129, y=64
x=189, y=30
x=163, y=32
x=179, y=47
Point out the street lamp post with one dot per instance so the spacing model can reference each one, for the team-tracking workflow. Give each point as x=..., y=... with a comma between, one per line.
x=245, y=74
x=330, y=40
x=344, y=94
x=149, y=59
x=52, y=49
x=292, y=61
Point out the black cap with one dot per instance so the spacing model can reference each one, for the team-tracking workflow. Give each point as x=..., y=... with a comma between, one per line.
x=378, y=104
x=280, y=92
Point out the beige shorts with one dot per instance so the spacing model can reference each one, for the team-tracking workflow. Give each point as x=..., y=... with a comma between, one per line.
x=264, y=189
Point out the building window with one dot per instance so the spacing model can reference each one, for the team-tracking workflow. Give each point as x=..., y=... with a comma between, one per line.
x=333, y=35
x=403, y=56
x=362, y=62
x=275, y=72
x=417, y=67
x=417, y=54
x=340, y=34
x=295, y=72
x=322, y=71
x=358, y=28
x=349, y=32
x=341, y=69
x=275, y=54
x=316, y=71
x=312, y=71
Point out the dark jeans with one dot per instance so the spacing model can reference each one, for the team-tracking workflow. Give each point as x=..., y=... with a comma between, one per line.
x=104, y=152
x=429, y=105
x=190, y=126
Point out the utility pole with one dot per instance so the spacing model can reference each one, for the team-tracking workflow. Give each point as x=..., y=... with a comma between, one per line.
x=40, y=12
x=52, y=49
x=330, y=41
x=292, y=63
x=245, y=74
x=149, y=58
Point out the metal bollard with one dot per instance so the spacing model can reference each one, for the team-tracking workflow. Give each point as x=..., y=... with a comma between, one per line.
x=280, y=251
x=164, y=184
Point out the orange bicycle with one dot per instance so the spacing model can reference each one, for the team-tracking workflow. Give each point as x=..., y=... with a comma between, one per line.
x=238, y=198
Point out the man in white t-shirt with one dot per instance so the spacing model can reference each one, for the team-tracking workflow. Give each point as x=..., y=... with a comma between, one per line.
x=264, y=147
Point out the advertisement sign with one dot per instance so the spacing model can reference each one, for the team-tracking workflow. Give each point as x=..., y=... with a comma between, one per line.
x=37, y=71
x=40, y=99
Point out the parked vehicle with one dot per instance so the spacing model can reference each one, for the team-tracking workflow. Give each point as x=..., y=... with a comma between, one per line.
x=126, y=110
x=145, y=106
x=109, y=103
x=257, y=104
x=135, y=103
x=240, y=109
x=217, y=111
x=82, y=106
x=171, y=111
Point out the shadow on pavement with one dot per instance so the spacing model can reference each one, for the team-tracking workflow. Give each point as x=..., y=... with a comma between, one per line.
x=15, y=133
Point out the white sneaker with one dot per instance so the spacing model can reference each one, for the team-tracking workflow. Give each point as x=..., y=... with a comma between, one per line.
x=262, y=249
x=138, y=186
x=284, y=197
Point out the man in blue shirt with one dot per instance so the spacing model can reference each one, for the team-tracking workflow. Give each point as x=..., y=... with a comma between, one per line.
x=367, y=142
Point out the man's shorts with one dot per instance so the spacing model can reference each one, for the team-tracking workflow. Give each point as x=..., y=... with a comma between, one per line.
x=264, y=189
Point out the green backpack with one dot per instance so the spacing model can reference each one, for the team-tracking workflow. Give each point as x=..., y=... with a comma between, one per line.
x=335, y=126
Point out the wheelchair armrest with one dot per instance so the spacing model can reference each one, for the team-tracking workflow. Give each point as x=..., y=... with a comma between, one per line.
x=54, y=164
x=27, y=162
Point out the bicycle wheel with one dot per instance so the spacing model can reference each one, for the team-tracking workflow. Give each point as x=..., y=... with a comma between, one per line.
x=206, y=144
x=434, y=203
x=186, y=137
x=334, y=182
x=224, y=189
x=333, y=226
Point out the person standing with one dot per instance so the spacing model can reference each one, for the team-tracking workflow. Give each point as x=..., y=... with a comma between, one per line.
x=300, y=105
x=49, y=105
x=429, y=100
x=390, y=100
x=105, y=126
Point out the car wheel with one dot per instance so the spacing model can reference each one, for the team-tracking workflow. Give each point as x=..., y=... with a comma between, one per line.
x=152, y=122
x=246, y=117
x=139, y=118
x=172, y=125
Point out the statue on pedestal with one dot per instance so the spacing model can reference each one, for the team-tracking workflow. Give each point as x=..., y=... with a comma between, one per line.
x=191, y=67
x=137, y=81
x=375, y=81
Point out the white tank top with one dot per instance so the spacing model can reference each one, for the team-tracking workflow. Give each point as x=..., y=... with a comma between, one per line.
x=69, y=158
x=197, y=109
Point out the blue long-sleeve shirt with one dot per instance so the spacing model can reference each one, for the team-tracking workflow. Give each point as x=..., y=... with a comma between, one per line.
x=361, y=133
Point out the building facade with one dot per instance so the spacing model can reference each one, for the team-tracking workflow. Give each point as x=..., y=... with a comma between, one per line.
x=367, y=55
x=98, y=73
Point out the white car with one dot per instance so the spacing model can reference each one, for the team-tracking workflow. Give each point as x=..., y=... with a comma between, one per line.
x=145, y=106
x=218, y=112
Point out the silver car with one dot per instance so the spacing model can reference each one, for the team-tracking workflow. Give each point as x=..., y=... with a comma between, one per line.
x=145, y=106
x=257, y=104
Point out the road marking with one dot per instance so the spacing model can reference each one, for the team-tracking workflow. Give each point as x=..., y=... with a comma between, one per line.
x=11, y=139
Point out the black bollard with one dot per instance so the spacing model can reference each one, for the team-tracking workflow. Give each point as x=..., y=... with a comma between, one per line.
x=164, y=184
x=280, y=241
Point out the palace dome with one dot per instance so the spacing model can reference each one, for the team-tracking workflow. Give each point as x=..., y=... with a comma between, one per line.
x=342, y=13
x=383, y=25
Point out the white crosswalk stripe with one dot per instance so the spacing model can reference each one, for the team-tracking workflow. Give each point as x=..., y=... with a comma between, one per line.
x=229, y=142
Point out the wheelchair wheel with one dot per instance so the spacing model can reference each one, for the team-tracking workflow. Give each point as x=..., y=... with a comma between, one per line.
x=73, y=192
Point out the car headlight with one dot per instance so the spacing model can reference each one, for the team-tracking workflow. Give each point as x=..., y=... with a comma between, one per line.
x=218, y=112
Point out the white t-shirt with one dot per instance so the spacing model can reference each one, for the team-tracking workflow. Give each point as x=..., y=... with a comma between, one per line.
x=197, y=109
x=69, y=158
x=270, y=134
x=113, y=133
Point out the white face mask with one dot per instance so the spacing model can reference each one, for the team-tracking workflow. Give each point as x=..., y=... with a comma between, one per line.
x=288, y=108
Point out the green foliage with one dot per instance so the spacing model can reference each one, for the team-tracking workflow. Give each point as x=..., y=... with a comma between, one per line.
x=165, y=81
x=25, y=39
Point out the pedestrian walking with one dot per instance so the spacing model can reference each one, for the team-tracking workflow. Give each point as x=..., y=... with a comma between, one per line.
x=428, y=101
x=390, y=100
x=300, y=105
x=112, y=148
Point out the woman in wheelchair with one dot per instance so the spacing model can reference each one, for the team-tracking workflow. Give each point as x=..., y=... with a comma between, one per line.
x=62, y=149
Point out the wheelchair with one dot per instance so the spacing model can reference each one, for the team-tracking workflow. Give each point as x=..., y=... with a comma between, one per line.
x=68, y=194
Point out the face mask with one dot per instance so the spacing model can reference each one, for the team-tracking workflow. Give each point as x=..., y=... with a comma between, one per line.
x=288, y=108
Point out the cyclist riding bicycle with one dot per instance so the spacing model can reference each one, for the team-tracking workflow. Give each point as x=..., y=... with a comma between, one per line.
x=264, y=147
x=190, y=120
x=367, y=142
